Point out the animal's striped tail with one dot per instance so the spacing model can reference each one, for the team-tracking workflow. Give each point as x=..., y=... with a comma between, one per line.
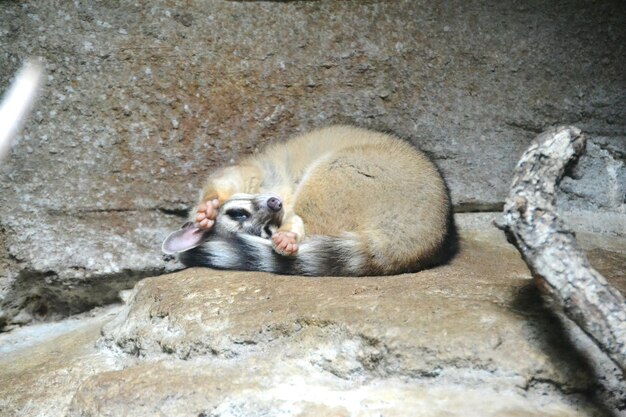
x=316, y=256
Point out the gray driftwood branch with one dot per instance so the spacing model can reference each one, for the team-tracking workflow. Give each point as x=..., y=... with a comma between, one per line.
x=549, y=248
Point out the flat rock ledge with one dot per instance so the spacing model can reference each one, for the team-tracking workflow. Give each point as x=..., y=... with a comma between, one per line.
x=471, y=338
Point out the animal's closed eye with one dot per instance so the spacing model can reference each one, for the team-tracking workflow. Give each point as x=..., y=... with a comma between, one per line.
x=238, y=214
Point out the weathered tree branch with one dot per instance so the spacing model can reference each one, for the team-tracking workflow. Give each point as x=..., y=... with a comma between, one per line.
x=550, y=250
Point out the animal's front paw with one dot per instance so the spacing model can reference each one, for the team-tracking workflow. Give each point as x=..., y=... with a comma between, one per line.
x=206, y=214
x=285, y=243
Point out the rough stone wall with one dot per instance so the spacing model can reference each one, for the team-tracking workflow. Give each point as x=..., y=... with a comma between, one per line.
x=143, y=98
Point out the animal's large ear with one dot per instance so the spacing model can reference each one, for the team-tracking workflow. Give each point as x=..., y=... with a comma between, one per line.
x=187, y=237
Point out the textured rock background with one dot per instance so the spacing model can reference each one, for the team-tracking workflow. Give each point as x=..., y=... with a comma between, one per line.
x=471, y=338
x=142, y=99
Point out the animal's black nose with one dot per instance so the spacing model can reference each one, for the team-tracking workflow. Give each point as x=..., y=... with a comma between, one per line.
x=274, y=204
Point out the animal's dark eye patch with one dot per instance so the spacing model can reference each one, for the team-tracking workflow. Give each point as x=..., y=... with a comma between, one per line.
x=238, y=214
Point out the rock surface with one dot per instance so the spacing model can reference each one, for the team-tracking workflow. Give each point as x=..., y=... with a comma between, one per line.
x=142, y=100
x=471, y=338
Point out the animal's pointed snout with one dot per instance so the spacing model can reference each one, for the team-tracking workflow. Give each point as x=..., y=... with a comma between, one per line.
x=274, y=204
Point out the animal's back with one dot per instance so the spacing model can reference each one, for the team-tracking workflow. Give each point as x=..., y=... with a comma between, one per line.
x=290, y=162
x=383, y=191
